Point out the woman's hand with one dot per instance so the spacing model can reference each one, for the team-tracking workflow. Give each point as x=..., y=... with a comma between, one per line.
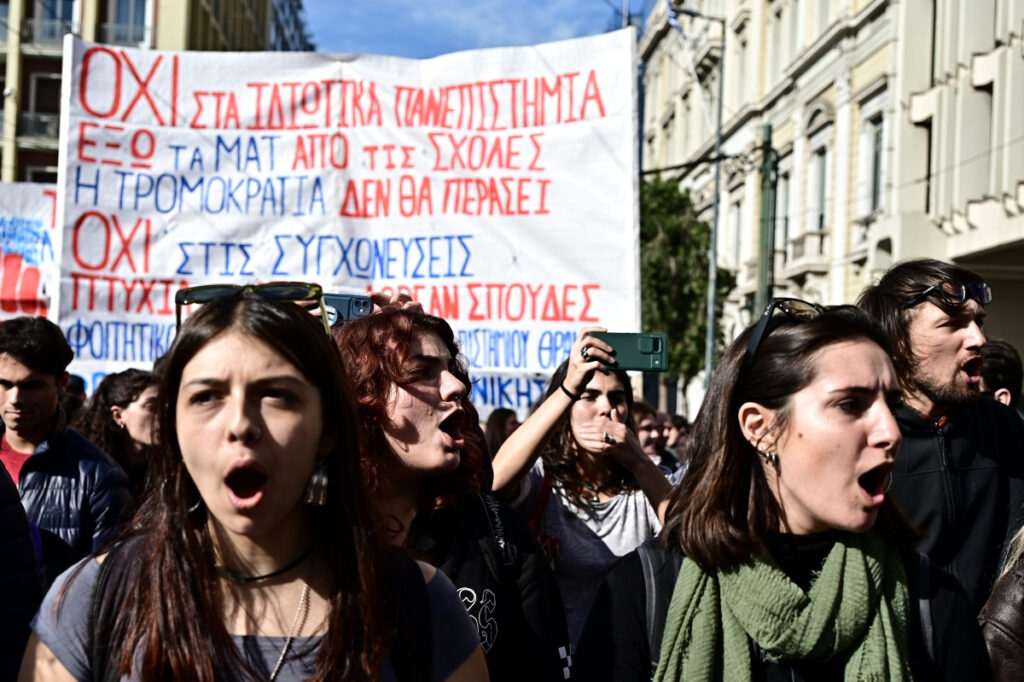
x=400, y=299
x=587, y=355
x=611, y=437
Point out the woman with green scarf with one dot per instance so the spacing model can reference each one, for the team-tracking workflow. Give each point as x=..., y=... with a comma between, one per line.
x=797, y=565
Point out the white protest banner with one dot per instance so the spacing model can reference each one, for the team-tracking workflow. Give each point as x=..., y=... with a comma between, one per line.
x=498, y=187
x=29, y=244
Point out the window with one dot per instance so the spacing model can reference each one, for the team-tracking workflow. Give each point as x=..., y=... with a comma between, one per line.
x=55, y=9
x=129, y=22
x=875, y=132
x=819, y=187
x=736, y=221
x=782, y=214
x=824, y=10
x=776, y=48
x=741, y=69
x=794, y=30
x=44, y=97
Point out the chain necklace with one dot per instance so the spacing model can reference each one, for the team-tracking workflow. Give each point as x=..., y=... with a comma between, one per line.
x=300, y=621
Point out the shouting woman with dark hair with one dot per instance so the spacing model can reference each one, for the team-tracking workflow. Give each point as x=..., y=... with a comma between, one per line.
x=254, y=556
x=576, y=468
x=425, y=462
x=796, y=563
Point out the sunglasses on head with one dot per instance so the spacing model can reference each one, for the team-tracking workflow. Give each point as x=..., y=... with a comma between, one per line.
x=272, y=291
x=792, y=307
x=954, y=293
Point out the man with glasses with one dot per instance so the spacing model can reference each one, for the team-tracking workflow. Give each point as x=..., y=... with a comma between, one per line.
x=959, y=475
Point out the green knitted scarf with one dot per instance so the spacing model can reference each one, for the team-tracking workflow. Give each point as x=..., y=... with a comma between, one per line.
x=857, y=609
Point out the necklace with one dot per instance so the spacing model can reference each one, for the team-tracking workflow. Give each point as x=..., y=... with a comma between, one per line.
x=297, y=625
x=240, y=579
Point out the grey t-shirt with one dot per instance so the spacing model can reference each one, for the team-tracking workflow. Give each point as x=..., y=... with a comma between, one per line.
x=592, y=538
x=65, y=632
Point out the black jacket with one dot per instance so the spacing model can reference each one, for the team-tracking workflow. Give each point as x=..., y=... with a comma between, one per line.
x=962, y=485
x=74, y=490
x=615, y=646
x=505, y=582
x=19, y=575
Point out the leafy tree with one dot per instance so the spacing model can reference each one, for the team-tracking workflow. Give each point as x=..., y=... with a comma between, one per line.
x=674, y=275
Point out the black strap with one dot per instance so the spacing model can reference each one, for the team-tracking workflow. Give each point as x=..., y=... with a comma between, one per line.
x=660, y=569
x=100, y=620
x=413, y=645
x=925, y=605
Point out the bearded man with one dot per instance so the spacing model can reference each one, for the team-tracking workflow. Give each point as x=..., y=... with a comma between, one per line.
x=959, y=475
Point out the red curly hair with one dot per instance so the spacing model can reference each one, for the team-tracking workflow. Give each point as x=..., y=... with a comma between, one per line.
x=375, y=350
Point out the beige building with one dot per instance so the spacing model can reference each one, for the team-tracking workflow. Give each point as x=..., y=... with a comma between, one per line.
x=898, y=128
x=31, y=39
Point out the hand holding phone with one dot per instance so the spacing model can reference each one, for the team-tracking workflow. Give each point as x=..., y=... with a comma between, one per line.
x=647, y=352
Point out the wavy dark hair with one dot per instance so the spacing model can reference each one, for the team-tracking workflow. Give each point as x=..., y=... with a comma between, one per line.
x=174, y=560
x=376, y=351
x=95, y=421
x=560, y=451
x=724, y=506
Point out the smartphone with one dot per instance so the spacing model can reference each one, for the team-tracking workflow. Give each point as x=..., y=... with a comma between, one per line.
x=341, y=307
x=647, y=352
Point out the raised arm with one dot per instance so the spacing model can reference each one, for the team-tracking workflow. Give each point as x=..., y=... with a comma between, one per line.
x=520, y=450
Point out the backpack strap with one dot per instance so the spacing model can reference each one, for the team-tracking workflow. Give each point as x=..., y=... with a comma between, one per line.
x=101, y=609
x=924, y=605
x=497, y=528
x=550, y=545
x=660, y=569
x=537, y=513
x=412, y=648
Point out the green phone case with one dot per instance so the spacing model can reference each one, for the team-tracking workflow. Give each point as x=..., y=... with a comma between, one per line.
x=643, y=351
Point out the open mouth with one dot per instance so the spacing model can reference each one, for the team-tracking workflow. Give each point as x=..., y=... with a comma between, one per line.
x=875, y=482
x=246, y=482
x=972, y=368
x=452, y=427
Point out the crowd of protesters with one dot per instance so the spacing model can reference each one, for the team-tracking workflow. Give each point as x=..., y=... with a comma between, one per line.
x=286, y=500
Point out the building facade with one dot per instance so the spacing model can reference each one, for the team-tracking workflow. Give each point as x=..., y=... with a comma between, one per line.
x=896, y=133
x=31, y=42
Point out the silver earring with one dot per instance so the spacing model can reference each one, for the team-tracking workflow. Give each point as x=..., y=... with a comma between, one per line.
x=771, y=456
x=316, y=491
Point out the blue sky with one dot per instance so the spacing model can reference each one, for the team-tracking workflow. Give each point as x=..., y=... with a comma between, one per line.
x=428, y=28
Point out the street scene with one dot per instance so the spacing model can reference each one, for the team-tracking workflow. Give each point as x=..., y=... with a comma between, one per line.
x=597, y=340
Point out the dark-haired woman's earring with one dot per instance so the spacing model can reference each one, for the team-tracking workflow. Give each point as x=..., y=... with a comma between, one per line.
x=316, y=491
x=771, y=456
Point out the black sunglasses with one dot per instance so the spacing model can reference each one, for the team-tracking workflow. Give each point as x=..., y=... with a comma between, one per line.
x=954, y=293
x=793, y=307
x=274, y=291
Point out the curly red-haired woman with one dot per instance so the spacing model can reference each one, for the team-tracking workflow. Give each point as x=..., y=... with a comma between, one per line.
x=425, y=463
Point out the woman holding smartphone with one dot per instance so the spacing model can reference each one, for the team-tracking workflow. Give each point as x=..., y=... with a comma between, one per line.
x=576, y=469
x=254, y=556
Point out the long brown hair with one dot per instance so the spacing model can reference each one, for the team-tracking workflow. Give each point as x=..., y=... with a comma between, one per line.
x=376, y=350
x=723, y=506
x=174, y=560
x=560, y=452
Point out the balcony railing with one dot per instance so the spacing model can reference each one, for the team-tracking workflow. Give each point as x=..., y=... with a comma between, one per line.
x=47, y=31
x=122, y=34
x=32, y=124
